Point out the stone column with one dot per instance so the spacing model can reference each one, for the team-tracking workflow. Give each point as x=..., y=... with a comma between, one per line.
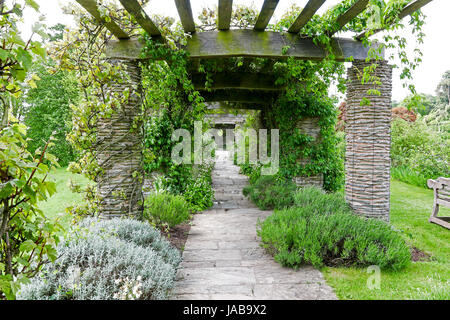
x=368, y=128
x=119, y=150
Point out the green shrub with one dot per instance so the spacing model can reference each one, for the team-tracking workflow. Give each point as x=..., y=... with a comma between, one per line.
x=422, y=151
x=269, y=193
x=106, y=260
x=166, y=209
x=313, y=232
x=321, y=202
x=407, y=175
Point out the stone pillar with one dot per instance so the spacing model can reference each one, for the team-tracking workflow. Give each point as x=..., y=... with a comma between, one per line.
x=309, y=126
x=119, y=150
x=368, y=137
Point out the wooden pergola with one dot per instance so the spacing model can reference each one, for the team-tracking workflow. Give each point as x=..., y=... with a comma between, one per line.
x=368, y=127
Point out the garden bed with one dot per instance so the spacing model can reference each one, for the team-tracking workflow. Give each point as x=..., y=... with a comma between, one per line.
x=178, y=235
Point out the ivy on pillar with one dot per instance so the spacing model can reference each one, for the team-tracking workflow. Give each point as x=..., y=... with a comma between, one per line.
x=119, y=149
x=368, y=138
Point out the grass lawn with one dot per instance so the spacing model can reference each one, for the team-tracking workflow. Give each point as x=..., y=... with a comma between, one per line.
x=64, y=197
x=410, y=209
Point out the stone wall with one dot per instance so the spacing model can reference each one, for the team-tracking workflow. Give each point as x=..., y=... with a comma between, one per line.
x=119, y=152
x=368, y=141
x=309, y=126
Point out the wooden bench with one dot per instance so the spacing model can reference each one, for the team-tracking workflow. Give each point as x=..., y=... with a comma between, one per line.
x=441, y=187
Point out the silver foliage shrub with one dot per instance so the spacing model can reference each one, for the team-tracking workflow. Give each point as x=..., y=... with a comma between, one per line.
x=102, y=255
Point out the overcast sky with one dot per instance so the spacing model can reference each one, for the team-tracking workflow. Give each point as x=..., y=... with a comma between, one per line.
x=436, y=48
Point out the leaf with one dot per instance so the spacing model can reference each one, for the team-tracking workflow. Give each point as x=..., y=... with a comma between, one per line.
x=51, y=253
x=6, y=191
x=24, y=58
x=3, y=54
x=27, y=246
x=30, y=193
x=16, y=39
x=22, y=261
x=51, y=188
x=38, y=50
x=32, y=84
x=32, y=4
x=5, y=286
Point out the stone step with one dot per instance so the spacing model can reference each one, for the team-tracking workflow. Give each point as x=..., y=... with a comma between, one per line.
x=231, y=190
x=233, y=204
x=226, y=197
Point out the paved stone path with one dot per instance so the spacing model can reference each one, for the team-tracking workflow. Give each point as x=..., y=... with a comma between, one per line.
x=222, y=257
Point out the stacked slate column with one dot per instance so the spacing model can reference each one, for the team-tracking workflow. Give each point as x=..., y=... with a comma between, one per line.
x=119, y=150
x=368, y=140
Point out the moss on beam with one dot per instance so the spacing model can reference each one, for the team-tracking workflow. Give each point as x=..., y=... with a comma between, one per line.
x=249, y=43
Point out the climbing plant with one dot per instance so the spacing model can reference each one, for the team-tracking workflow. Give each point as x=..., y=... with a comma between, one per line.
x=172, y=103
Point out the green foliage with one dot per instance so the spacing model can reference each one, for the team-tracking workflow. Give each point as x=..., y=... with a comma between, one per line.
x=164, y=209
x=420, y=149
x=406, y=174
x=270, y=193
x=199, y=192
x=172, y=103
x=443, y=89
x=27, y=237
x=16, y=55
x=321, y=154
x=49, y=112
x=419, y=103
x=106, y=260
x=321, y=230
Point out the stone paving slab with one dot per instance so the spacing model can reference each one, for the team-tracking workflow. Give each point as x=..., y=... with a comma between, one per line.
x=223, y=260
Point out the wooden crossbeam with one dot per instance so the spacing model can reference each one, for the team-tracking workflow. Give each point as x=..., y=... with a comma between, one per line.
x=266, y=14
x=238, y=95
x=358, y=7
x=135, y=9
x=225, y=9
x=236, y=80
x=92, y=8
x=249, y=43
x=307, y=13
x=408, y=10
x=185, y=13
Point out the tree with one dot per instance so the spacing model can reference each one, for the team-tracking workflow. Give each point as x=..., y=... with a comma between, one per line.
x=49, y=112
x=27, y=237
x=419, y=103
x=443, y=89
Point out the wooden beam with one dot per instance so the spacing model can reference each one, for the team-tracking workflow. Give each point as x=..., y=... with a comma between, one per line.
x=408, y=10
x=307, y=13
x=135, y=9
x=243, y=105
x=92, y=8
x=266, y=14
x=236, y=80
x=358, y=7
x=225, y=9
x=249, y=43
x=238, y=95
x=185, y=13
